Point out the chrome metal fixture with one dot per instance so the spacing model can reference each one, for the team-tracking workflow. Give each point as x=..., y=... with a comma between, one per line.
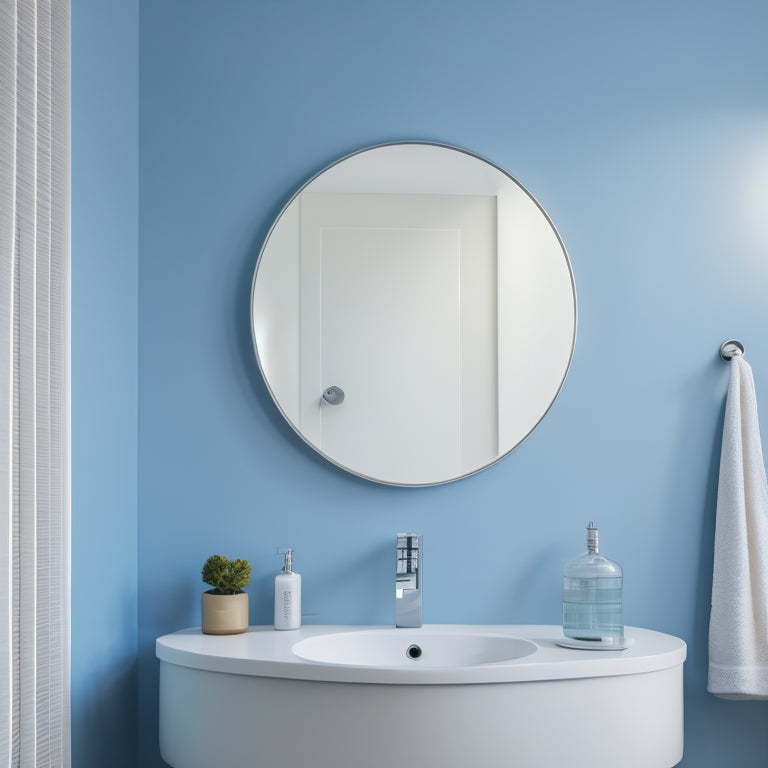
x=408, y=580
x=334, y=395
x=730, y=349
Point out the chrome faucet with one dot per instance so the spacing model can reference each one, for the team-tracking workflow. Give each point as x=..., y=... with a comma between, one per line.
x=408, y=580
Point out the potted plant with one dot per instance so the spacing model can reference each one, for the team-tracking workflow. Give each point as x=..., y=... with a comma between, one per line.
x=225, y=607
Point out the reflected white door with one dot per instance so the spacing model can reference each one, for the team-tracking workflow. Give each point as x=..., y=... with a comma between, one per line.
x=390, y=306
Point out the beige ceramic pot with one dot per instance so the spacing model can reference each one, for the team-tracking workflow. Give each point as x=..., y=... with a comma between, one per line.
x=224, y=614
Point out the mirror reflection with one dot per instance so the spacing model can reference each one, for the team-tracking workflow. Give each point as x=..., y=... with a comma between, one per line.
x=413, y=313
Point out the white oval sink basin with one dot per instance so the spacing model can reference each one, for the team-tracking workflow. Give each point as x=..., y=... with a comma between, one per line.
x=404, y=647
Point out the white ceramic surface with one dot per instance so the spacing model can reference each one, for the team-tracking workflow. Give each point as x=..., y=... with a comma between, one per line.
x=496, y=695
x=432, y=647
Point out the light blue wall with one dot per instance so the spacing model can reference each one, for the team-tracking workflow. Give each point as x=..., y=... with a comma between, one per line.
x=642, y=129
x=104, y=381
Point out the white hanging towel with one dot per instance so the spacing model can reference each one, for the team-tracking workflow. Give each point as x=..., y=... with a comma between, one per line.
x=738, y=623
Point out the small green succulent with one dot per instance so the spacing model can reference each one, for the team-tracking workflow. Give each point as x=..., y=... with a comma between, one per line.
x=227, y=577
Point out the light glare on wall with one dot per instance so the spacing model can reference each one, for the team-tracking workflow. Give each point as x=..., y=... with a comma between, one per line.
x=754, y=194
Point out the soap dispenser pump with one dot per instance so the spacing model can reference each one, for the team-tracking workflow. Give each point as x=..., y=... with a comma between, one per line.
x=592, y=599
x=288, y=595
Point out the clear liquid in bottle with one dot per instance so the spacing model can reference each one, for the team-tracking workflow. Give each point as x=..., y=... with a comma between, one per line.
x=592, y=595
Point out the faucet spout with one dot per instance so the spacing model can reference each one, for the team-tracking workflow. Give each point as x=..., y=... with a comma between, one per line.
x=408, y=580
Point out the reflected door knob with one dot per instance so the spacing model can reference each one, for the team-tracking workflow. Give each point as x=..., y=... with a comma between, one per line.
x=333, y=395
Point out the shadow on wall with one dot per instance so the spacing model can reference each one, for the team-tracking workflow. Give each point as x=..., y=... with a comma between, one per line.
x=698, y=656
x=104, y=721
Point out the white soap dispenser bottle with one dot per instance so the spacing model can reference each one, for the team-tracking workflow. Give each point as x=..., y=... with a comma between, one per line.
x=288, y=596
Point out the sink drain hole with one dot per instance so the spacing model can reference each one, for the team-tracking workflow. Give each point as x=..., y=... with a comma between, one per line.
x=413, y=652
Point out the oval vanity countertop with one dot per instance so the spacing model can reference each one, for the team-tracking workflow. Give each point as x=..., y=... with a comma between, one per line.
x=264, y=652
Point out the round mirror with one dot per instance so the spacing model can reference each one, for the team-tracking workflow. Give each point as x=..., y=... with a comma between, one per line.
x=413, y=313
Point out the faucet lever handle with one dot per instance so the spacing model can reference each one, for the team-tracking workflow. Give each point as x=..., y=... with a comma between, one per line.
x=409, y=541
x=408, y=549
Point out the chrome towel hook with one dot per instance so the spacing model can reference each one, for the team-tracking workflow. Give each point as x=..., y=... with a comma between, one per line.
x=730, y=349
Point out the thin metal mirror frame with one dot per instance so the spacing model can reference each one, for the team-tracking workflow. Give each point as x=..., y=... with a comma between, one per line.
x=277, y=220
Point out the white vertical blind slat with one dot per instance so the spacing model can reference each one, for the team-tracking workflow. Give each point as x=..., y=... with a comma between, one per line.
x=34, y=411
x=58, y=614
x=25, y=311
x=46, y=356
x=7, y=207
